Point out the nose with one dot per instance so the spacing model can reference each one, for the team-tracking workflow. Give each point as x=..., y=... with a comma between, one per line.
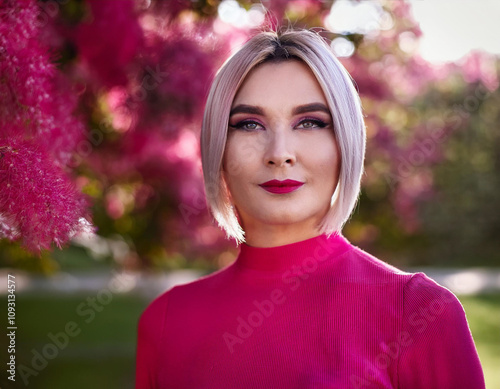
x=279, y=151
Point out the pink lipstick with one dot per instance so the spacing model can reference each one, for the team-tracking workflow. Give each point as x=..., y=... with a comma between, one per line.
x=281, y=187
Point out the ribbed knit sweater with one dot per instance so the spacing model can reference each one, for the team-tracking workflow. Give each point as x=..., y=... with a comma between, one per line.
x=320, y=313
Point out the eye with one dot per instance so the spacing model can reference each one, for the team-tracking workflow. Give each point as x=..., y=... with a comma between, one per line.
x=311, y=123
x=246, y=125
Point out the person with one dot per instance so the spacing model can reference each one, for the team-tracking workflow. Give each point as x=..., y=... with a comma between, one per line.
x=283, y=143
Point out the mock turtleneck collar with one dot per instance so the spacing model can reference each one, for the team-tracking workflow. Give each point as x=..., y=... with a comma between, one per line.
x=280, y=258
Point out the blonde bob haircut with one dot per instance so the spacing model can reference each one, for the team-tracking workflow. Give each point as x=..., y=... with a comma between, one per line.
x=343, y=101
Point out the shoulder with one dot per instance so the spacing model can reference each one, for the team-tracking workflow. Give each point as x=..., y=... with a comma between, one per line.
x=185, y=293
x=417, y=288
x=363, y=268
x=411, y=292
x=421, y=286
x=436, y=344
x=204, y=284
x=152, y=318
x=425, y=298
x=432, y=313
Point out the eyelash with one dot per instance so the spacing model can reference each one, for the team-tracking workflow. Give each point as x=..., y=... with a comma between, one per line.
x=240, y=125
x=317, y=122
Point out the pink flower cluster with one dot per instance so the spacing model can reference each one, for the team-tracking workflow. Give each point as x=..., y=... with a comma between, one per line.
x=175, y=73
x=37, y=136
x=38, y=202
x=109, y=39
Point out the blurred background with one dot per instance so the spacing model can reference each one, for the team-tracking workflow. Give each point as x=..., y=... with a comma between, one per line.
x=102, y=205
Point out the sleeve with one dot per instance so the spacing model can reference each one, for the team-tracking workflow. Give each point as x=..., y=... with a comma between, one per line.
x=438, y=350
x=149, y=333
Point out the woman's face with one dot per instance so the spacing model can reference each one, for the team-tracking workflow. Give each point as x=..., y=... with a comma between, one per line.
x=281, y=162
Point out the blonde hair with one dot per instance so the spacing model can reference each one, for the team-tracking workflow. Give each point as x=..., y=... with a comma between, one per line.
x=343, y=102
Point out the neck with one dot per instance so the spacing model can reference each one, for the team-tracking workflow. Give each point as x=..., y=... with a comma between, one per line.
x=278, y=235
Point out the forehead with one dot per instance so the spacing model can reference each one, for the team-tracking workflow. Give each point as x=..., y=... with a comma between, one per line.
x=289, y=81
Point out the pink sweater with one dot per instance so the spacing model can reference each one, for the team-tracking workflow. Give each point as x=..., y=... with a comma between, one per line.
x=319, y=313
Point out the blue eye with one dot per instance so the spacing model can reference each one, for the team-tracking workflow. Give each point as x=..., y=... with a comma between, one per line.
x=246, y=125
x=311, y=123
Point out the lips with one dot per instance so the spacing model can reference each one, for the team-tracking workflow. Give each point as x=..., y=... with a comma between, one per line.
x=281, y=187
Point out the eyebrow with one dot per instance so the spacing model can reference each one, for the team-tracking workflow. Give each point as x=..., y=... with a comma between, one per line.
x=310, y=108
x=243, y=108
x=313, y=107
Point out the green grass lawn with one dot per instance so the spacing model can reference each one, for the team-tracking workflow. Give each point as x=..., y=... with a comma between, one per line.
x=102, y=355
x=483, y=314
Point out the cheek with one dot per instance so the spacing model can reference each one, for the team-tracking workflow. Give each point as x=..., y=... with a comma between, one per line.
x=239, y=156
x=327, y=161
x=233, y=165
x=332, y=160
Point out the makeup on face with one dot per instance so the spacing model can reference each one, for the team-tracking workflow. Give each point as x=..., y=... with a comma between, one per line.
x=281, y=160
x=281, y=187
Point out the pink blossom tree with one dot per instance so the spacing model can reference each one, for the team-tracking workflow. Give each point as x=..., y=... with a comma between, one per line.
x=118, y=120
x=39, y=203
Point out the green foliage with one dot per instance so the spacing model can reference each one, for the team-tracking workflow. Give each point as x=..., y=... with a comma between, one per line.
x=462, y=221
